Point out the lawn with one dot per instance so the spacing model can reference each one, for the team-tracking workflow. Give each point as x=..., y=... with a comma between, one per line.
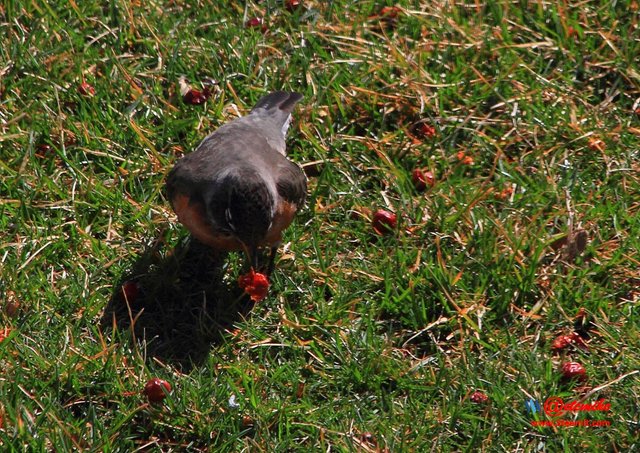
x=438, y=335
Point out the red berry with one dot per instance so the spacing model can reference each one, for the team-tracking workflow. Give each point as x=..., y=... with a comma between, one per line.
x=247, y=422
x=256, y=22
x=156, y=390
x=196, y=97
x=390, y=11
x=464, y=158
x=4, y=333
x=384, y=222
x=425, y=130
x=505, y=193
x=43, y=148
x=11, y=304
x=130, y=290
x=292, y=5
x=563, y=341
x=479, y=397
x=573, y=370
x=255, y=284
x=86, y=90
x=369, y=438
x=422, y=179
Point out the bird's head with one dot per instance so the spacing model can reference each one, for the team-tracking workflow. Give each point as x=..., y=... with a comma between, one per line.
x=248, y=212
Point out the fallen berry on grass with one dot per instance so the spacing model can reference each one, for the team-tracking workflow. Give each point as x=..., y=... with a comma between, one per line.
x=464, y=158
x=387, y=17
x=255, y=284
x=196, y=97
x=156, y=390
x=390, y=11
x=479, y=397
x=4, y=333
x=11, y=304
x=424, y=130
x=422, y=179
x=43, y=149
x=256, y=22
x=369, y=438
x=573, y=371
x=86, y=90
x=247, y=421
x=572, y=32
x=292, y=5
x=563, y=341
x=384, y=222
x=505, y=193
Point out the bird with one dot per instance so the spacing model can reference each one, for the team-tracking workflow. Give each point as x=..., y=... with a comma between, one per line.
x=238, y=191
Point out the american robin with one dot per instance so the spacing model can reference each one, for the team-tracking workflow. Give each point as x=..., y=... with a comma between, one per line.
x=238, y=190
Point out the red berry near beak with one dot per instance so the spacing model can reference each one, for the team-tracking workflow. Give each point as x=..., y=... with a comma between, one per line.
x=255, y=284
x=384, y=222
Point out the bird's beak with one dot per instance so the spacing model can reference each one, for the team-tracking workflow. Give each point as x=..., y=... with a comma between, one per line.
x=252, y=254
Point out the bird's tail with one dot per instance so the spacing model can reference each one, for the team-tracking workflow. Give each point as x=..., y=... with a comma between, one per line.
x=278, y=104
x=282, y=100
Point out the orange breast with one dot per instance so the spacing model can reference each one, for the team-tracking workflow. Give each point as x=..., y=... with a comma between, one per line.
x=192, y=216
x=282, y=219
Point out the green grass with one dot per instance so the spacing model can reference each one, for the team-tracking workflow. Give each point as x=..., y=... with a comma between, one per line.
x=365, y=343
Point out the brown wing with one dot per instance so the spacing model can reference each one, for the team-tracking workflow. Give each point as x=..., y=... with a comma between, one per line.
x=292, y=189
x=292, y=184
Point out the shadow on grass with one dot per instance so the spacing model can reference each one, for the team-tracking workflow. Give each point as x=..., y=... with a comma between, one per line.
x=178, y=305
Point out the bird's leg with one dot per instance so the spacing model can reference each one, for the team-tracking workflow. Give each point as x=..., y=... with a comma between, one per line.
x=254, y=257
x=272, y=259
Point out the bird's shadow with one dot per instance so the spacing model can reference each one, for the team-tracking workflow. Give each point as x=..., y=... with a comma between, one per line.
x=177, y=306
